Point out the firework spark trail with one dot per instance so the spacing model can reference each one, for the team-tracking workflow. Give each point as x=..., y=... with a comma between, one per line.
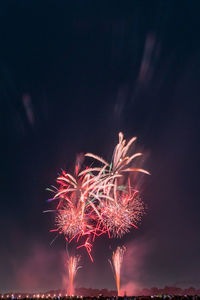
x=73, y=266
x=108, y=180
x=120, y=161
x=116, y=263
x=120, y=206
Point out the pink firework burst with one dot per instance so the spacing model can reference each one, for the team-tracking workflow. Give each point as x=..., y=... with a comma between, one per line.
x=120, y=217
x=99, y=199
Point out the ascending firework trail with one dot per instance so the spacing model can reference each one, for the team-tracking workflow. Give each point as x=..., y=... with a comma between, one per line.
x=73, y=266
x=116, y=263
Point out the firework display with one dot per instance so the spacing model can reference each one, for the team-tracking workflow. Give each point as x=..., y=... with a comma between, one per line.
x=116, y=263
x=99, y=199
x=73, y=266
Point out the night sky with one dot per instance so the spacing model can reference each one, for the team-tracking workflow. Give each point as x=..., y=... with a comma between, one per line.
x=72, y=75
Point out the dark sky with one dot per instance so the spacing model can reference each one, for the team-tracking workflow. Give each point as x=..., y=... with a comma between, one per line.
x=72, y=75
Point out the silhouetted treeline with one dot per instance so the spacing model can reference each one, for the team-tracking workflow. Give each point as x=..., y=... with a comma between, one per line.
x=168, y=292
x=100, y=297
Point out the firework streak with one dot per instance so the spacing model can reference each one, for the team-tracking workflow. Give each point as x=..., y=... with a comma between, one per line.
x=116, y=263
x=72, y=270
x=99, y=199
